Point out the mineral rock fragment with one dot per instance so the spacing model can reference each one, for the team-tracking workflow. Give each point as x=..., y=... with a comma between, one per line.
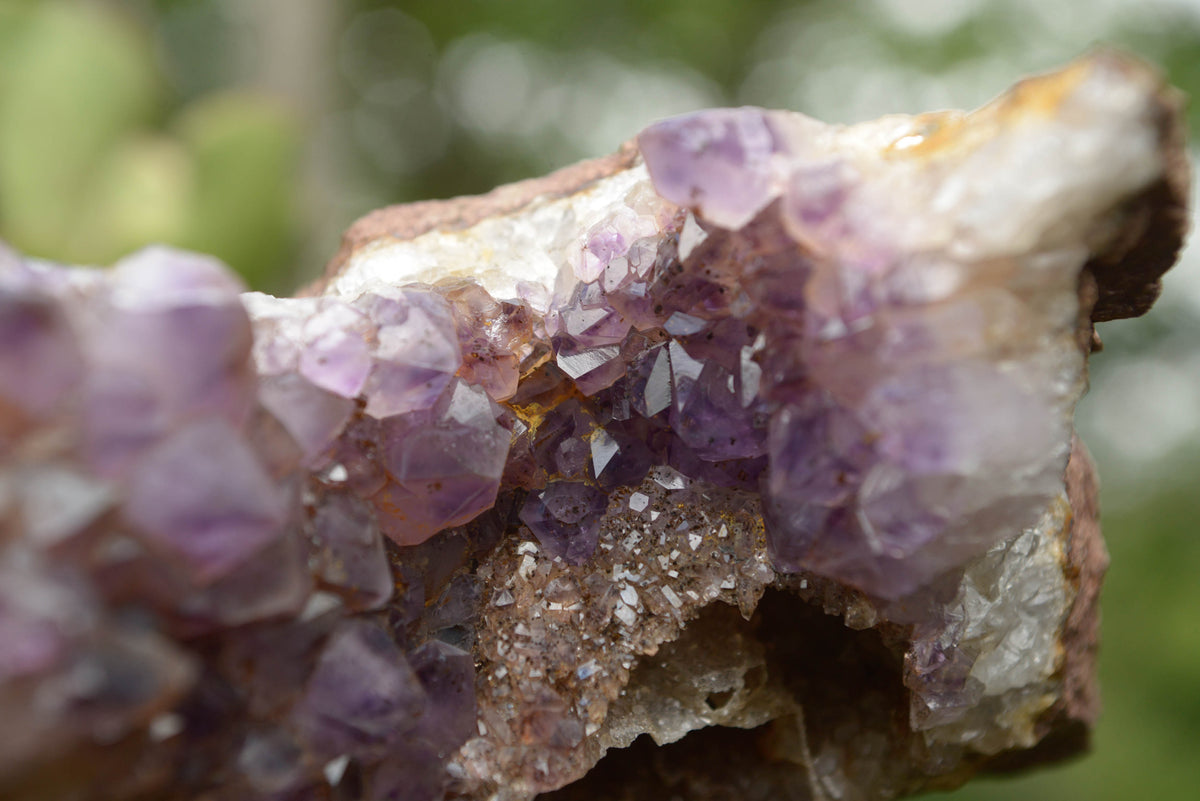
x=740, y=462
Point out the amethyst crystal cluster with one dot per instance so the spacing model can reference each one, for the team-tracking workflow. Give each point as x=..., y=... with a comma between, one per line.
x=176, y=477
x=409, y=536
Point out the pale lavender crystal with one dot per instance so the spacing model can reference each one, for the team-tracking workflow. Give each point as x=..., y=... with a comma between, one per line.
x=170, y=340
x=604, y=244
x=900, y=428
x=589, y=321
x=164, y=278
x=336, y=356
x=416, y=355
x=121, y=418
x=565, y=517
x=312, y=415
x=626, y=283
x=325, y=340
x=177, y=321
x=721, y=162
x=203, y=497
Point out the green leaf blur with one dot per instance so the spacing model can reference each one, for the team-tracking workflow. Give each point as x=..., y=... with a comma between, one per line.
x=97, y=159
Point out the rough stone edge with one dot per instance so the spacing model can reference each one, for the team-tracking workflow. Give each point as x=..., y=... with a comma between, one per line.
x=410, y=220
x=1128, y=270
x=1065, y=729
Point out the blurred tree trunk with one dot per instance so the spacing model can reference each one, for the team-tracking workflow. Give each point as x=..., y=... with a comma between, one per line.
x=294, y=44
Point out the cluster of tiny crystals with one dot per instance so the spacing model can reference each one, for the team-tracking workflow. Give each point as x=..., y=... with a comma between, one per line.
x=237, y=533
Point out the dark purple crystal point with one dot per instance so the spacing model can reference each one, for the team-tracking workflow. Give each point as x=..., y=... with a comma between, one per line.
x=362, y=696
x=448, y=676
x=350, y=554
x=565, y=517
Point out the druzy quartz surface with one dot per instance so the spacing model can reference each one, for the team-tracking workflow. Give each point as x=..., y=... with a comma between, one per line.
x=758, y=426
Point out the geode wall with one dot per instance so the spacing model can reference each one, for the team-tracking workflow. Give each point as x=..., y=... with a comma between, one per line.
x=739, y=464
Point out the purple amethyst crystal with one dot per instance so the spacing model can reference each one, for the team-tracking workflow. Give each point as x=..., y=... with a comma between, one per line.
x=494, y=337
x=411, y=776
x=36, y=608
x=448, y=676
x=272, y=762
x=623, y=452
x=649, y=376
x=349, y=551
x=311, y=415
x=722, y=162
x=709, y=416
x=176, y=322
x=362, y=695
x=336, y=356
x=592, y=369
x=39, y=356
x=848, y=489
x=589, y=321
x=160, y=351
x=565, y=517
x=203, y=497
x=416, y=352
x=273, y=584
x=445, y=464
x=560, y=442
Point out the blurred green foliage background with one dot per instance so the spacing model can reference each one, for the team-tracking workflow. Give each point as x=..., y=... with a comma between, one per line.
x=257, y=130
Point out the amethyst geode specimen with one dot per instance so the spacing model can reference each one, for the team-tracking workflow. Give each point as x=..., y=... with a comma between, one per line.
x=456, y=522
